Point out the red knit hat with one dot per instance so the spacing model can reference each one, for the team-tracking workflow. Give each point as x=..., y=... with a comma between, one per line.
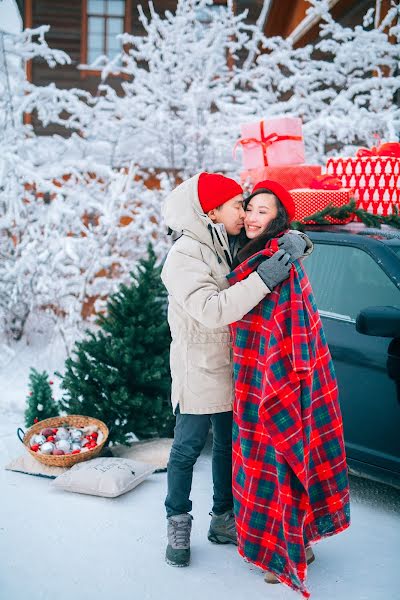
x=280, y=192
x=215, y=190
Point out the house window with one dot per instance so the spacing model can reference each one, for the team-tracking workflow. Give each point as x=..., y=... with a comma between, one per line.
x=105, y=19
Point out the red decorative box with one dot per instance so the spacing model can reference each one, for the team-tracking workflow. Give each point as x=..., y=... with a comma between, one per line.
x=375, y=180
x=290, y=176
x=310, y=201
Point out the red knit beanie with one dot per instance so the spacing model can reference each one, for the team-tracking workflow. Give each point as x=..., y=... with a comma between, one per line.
x=280, y=192
x=215, y=190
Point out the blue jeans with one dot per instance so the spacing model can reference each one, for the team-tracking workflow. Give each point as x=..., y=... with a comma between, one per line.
x=190, y=436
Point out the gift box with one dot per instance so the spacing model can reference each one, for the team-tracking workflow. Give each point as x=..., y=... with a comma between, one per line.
x=274, y=141
x=309, y=201
x=374, y=177
x=289, y=176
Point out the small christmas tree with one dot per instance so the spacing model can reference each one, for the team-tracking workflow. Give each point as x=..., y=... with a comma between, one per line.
x=120, y=374
x=41, y=404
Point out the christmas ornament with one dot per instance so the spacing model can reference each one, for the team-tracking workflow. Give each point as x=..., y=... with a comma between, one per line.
x=75, y=446
x=47, y=431
x=63, y=445
x=37, y=440
x=76, y=435
x=47, y=448
x=62, y=434
x=58, y=452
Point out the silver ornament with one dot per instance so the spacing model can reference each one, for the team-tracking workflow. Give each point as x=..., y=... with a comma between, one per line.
x=76, y=435
x=46, y=448
x=75, y=446
x=62, y=434
x=63, y=445
x=37, y=439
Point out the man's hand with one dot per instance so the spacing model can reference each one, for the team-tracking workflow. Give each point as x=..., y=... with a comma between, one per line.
x=275, y=269
x=293, y=244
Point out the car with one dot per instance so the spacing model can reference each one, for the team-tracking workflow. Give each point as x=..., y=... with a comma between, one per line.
x=355, y=275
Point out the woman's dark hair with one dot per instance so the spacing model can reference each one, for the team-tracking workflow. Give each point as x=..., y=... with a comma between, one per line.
x=274, y=228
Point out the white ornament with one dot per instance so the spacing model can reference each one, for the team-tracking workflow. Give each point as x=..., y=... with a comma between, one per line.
x=76, y=435
x=37, y=439
x=63, y=445
x=47, y=448
x=62, y=434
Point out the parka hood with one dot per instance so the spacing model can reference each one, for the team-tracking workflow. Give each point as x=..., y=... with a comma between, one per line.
x=182, y=213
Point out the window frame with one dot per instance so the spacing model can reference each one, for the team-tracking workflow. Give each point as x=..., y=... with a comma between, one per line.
x=363, y=247
x=87, y=72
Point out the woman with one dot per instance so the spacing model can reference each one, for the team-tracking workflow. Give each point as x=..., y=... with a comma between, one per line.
x=290, y=482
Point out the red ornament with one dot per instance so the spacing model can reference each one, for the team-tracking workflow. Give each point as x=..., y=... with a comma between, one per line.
x=35, y=447
x=95, y=435
x=35, y=420
x=51, y=382
x=75, y=452
x=51, y=438
x=54, y=431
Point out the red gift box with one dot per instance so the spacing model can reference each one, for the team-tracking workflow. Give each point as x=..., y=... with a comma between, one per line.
x=375, y=178
x=310, y=201
x=289, y=176
x=273, y=141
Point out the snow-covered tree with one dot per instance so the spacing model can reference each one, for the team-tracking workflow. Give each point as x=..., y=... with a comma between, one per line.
x=185, y=96
x=343, y=88
x=71, y=228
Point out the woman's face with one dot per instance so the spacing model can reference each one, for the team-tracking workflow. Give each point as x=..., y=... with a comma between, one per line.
x=260, y=211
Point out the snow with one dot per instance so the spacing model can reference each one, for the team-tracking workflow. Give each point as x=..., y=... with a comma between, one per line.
x=96, y=548
x=10, y=18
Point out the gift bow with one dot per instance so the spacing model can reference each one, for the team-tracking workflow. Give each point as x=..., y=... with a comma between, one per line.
x=326, y=182
x=264, y=141
x=388, y=149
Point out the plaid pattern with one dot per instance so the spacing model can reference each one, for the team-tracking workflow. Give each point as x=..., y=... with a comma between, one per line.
x=290, y=481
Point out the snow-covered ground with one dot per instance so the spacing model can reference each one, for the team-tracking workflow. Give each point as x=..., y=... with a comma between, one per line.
x=62, y=545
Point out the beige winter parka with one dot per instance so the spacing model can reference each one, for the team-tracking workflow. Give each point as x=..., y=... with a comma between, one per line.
x=202, y=305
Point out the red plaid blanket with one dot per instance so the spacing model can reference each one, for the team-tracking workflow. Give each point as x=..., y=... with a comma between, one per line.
x=290, y=481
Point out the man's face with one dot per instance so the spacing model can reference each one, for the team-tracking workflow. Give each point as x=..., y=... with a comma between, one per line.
x=231, y=214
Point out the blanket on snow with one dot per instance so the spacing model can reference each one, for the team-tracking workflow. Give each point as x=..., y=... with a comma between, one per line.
x=290, y=482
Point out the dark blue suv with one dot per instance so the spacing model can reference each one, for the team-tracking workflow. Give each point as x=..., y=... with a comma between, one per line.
x=355, y=275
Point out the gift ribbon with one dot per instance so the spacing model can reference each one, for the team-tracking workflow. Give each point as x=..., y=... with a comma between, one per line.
x=326, y=182
x=265, y=141
x=391, y=149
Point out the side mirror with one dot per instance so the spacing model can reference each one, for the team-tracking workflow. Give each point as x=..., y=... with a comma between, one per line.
x=383, y=321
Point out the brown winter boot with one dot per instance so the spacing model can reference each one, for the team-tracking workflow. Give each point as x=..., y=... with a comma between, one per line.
x=272, y=578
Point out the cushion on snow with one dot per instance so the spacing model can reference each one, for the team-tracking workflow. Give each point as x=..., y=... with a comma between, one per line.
x=154, y=452
x=29, y=465
x=107, y=477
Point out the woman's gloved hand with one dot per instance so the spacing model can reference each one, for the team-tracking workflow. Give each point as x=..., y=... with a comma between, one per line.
x=294, y=244
x=275, y=269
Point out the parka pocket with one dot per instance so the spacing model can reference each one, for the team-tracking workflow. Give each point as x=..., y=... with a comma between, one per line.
x=210, y=370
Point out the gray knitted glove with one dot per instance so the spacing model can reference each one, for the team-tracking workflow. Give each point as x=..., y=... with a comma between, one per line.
x=275, y=269
x=294, y=244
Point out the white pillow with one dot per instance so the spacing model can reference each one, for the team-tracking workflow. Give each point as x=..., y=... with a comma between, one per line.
x=105, y=476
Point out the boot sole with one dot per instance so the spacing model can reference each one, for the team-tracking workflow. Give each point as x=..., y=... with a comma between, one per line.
x=220, y=539
x=179, y=565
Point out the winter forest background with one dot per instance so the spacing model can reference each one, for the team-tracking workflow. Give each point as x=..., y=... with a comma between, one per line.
x=77, y=212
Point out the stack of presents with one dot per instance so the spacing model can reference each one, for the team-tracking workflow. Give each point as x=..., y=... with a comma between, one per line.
x=274, y=149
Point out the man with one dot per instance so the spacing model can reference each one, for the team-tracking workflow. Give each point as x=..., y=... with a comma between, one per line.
x=204, y=211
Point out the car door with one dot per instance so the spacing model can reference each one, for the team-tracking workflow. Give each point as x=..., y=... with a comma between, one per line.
x=345, y=279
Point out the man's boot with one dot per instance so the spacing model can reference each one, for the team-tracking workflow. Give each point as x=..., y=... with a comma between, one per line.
x=178, y=549
x=223, y=528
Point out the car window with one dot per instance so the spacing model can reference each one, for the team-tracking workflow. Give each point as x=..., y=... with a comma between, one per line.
x=346, y=279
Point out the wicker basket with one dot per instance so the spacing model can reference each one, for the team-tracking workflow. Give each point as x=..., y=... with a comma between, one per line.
x=66, y=460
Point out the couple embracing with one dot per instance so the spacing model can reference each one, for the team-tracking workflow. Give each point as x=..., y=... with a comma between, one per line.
x=249, y=356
